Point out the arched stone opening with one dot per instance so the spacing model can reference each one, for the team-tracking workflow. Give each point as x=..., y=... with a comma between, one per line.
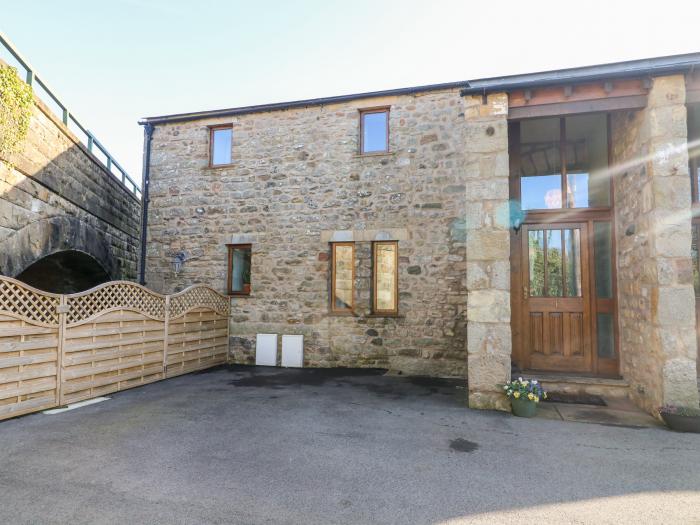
x=58, y=246
x=67, y=271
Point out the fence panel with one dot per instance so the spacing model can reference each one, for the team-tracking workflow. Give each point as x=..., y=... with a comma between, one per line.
x=197, y=330
x=114, y=339
x=59, y=349
x=29, y=348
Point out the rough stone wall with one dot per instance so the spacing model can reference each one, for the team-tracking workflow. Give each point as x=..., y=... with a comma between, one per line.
x=653, y=235
x=488, y=250
x=296, y=179
x=55, y=195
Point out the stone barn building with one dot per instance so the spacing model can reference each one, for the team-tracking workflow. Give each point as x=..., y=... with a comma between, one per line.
x=542, y=223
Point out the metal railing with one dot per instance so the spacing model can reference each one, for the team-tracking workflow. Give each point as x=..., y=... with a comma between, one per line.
x=93, y=145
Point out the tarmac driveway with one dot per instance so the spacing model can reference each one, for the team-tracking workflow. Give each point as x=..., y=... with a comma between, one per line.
x=257, y=445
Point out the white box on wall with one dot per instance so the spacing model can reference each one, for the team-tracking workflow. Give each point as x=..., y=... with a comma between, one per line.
x=293, y=351
x=266, y=349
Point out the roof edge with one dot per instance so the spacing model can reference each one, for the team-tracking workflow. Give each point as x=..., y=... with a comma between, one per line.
x=279, y=106
x=629, y=68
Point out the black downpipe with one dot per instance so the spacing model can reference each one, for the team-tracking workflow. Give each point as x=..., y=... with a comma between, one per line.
x=147, y=136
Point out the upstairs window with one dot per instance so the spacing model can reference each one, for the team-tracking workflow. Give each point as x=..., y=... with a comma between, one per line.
x=238, y=276
x=220, y=145
x=385, y=270
x=563, y=162
x=343, y=277
x=374, y=130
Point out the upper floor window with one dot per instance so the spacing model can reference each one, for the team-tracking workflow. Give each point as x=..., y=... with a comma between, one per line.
x=239, y=265
x=563, y=162
x=385, y=270
x=374, y=130
x=220, y=145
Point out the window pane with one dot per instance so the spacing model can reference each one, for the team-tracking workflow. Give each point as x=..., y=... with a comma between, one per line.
x=572, y=249
x=606, y=335
x=588, y=182
x=554, y=264
x=221, y=146
x=343, y=262
x=536, y=262
x=540, y=164
x=385, y=276
x=602, y=259
x=694, y=255
x=374, y=130
x=240, y=271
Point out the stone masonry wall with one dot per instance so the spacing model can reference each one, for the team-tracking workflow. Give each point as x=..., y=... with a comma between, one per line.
x=296, y=180
x=655, y=292
x=55, y=195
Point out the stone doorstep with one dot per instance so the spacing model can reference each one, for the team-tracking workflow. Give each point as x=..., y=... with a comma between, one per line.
x=607, y=388
x=620, y=410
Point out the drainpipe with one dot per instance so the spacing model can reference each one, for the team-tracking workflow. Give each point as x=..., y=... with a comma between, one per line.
x=147, y=136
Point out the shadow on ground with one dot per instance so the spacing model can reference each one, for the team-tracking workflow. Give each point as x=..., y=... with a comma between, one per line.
x=265, y=445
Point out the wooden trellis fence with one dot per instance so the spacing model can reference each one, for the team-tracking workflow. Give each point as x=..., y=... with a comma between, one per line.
x=59, y=349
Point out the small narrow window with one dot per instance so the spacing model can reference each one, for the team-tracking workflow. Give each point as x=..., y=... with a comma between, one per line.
x=343, y=276
x=221, y=138
x=374, y=130
x=239, y=256
x=385, y=267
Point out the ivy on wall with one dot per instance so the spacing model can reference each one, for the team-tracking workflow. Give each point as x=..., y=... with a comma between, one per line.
x=15, y=111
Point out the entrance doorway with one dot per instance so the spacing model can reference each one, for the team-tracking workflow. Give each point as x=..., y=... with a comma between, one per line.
x=562, y=257
x=556, y=312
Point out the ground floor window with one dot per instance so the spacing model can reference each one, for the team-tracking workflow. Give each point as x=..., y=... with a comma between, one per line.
x=239, y=265
x=343, y=276
x=385, y=270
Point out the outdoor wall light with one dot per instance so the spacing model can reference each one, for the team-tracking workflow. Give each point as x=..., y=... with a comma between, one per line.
x=178, y=261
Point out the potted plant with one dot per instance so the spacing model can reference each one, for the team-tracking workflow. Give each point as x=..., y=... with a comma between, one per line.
x=524, y=396
x=681, y=419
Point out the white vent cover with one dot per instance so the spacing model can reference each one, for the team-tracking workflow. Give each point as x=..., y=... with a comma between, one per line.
x=266, y=349
x=293, y=350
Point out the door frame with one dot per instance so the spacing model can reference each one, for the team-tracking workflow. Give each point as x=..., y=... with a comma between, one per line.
x=603, y=367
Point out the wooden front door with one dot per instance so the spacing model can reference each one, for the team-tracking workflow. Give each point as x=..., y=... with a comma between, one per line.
x=555, y=309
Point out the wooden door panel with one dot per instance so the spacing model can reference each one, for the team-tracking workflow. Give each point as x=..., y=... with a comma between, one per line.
x=576, y=339
x=536, y=332
x=556, y=333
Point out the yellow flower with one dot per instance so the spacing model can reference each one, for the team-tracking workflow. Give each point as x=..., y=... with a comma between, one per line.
x=516, y=395
x=530, y=397
x=537, y=399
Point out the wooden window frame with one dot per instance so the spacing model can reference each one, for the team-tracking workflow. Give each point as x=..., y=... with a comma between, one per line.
x=376, y=311
x=369, y=111
x=342, y=311
x=229, y=269
x=212, y=130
